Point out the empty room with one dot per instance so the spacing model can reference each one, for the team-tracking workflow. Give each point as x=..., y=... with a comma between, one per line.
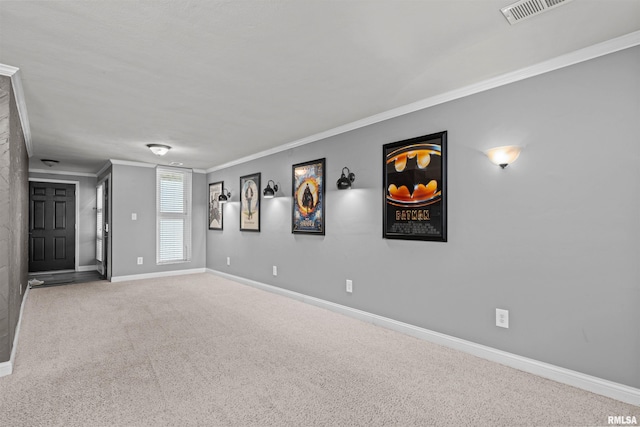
x=320, y=213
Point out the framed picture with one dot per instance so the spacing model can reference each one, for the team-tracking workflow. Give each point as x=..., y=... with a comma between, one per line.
x=415, y=188
x=215, y=208
x=250, y=202
x=307, y=214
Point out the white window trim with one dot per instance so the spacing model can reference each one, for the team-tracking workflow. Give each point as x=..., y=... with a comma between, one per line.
x=186, y=215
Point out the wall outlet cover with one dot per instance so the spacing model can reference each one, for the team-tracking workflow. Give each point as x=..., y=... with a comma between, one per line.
x=349, y=286
x=502, y=318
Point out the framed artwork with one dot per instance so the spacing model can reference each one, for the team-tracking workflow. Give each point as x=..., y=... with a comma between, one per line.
x=215, y=208
x=250, y=202
x=415, y=188
x=307, y=214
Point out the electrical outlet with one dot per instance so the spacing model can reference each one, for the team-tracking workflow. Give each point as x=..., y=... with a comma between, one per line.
x=502, y=318
x=349, y=286
x=275, y=270
x=228, y=260
x=140, y=260
x=134, y=217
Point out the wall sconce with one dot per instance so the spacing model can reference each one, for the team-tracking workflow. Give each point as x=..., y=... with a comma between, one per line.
x=504, y=156
x=269, y=192
x=159, y=149
x=344, y=182
x=224, y=198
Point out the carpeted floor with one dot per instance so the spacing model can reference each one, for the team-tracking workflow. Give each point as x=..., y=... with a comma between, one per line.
x=201, y=350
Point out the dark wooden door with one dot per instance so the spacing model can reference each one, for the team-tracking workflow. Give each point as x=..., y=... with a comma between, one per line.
x=52, y=226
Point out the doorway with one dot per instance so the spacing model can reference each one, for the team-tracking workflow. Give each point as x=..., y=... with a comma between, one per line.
x=52, y=225
x=102, y=228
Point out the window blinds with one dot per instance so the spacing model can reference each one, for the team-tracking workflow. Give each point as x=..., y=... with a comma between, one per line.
x=173, y=204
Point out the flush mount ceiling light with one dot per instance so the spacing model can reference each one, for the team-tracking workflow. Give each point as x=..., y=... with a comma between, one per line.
x=50, y=162
x=270, y=192
x=344, y=182
x=504, y=156
x=159, y=149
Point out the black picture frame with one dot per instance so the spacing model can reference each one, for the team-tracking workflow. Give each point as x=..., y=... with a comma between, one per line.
x=250, y=202
x=414, y=188
x=216, y=213
x=308, y=197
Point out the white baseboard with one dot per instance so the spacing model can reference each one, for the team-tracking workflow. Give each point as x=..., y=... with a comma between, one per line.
x=6, y=368
x=157, y=274
x=586, y=382
x=87, y=268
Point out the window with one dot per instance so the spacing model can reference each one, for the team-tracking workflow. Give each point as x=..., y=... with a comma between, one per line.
x=173, y=203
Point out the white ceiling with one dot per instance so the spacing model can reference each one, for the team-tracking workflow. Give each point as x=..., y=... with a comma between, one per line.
x=222, y=80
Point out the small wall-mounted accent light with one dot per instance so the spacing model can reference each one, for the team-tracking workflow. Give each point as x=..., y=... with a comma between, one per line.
x=224, y=197
x=270, y=192
x=344, y=182
x=504, y=156
x=50, y=162
x=159, y=149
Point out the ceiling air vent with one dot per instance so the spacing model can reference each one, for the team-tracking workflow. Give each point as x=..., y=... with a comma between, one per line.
x=524, y=9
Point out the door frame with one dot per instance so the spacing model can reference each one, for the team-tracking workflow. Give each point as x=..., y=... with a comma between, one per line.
x=76, y=213
x=106, y=241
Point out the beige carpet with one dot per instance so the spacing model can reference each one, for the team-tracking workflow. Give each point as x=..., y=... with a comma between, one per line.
x=201, y=350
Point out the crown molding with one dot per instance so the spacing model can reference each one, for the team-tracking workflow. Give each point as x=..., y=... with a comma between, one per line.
x=18, y=93
x=104, y=168
x=57, y=172
x=7, y=70
x=142, y=165
x=130, y=163
x=581, y=55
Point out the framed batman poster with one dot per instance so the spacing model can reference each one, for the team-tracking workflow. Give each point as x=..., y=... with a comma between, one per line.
x=307, y=214
x=415, y=188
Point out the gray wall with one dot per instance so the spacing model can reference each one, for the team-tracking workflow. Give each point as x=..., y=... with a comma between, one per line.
x=14, y=215
x=133, y=190
x=553, y=238
x=87, y=213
